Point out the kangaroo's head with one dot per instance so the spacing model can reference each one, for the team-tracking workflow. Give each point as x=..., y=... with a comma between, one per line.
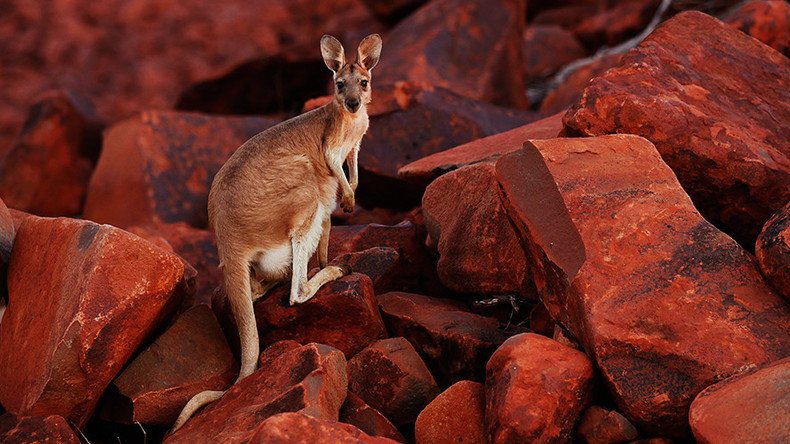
x=352, y=80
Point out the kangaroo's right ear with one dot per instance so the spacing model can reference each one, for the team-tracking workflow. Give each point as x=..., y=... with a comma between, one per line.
x=333, y=53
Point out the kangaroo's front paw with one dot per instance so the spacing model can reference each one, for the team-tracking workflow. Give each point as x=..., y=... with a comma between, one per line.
x=347, y=203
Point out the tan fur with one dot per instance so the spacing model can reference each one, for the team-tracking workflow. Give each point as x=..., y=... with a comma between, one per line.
x=269, y=205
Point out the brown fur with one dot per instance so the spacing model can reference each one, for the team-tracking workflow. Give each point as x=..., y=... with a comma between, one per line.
x=273, y=197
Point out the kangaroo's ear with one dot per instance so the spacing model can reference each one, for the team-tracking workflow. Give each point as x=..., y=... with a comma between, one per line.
x=369, y=51
x=333, y=53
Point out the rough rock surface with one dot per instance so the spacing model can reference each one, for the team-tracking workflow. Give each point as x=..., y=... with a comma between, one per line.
x=298, y=428
x=766, y=20
x=390, y=376
x=454, y=343
x=490, y=262
x=722, y=129
x=773, y=251
x=47, y=169
x=381, y=264
x=36, y=429
x=546, y=49
x=157, y=167
x=536, y=389
x=457, y=415
x=309, y=380
x=470, y=48
x=359, y=414
x=487, y=149
x=750, y=407
x=64, y=338
x=189, y=357
x=663, y=301
x=601, y=426
x=571, y=86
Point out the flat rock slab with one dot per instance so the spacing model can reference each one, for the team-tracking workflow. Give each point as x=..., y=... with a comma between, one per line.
x=297, y=428
x=36, y=429
x=82, y=299
x=536, y=389
x=750, y=407
x=189, y=357
x=454, y=343
x=358, y=413
x=310, y=379
x=457, y=415
x=486, y=149
x=665, y=303
x=157, y=166
x=724, y=130
x=773, y=251
x=472, y=49
x=479, y=251
x=390, y=376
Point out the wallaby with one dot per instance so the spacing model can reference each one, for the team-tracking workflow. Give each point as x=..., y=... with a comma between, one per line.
x=269, y=205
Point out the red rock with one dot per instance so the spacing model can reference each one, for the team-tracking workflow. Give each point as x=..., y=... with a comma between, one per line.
x=309, y=380
x=454, y=343
x=419, y=121
x=564, y=337
x=664, y=302
x=272, y=352
x=536, y=389
x=343, y=314
x=546, y=49
x=364, y=216
x=540, y=320
x=773, y=251
x=490, y=262
x=472, y=49
x=36, y=429
x=357, y=413
x=715, y=124
x=601, y=426
x=195, y=246
x=17, y=217
x=766, y=20
x=381, y=264
x=391, y=12
x=616, y=24
x=296, y=428
x=456, y=415
x=390, y=376
x=47, y=169
x=749, y=407
x=568, y=15
x=157, y=167
x=189, y=357
x=487, y=149
x=99, y=293
x=126, y=57
x=571, y=87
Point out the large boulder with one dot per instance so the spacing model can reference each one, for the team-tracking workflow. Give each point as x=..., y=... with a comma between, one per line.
x=457, y=415
x=487, y=149
x=309, y=380
x=36, y=429
x=192, y=355
x=665, y=303
x=470, y=48
x=47, y=169
x=454, y=343
x=491, y=260
x=773, y=251
x=766, y=20
x=157, y=167
x=749, y=407
x=298, y=428
x=536, y=389
x=390, y=376
x=82, y=299
x=722, y=129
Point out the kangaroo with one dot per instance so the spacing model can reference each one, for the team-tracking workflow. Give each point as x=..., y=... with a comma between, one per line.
x=269, y=205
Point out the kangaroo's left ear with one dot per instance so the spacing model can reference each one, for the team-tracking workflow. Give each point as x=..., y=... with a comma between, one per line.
x=369, y=51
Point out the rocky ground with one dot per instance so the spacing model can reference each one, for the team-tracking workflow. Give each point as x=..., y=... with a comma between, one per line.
x=563, y=234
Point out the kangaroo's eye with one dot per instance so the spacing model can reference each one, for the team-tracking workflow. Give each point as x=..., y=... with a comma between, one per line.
x=340, y=85
x=364, y=83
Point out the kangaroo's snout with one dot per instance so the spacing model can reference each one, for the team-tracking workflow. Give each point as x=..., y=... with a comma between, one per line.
x=352, y=105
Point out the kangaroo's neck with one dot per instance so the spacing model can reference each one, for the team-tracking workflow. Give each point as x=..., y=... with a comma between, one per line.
x=344, y=127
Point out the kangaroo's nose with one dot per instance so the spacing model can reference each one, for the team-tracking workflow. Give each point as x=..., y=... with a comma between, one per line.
x=352, y=105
